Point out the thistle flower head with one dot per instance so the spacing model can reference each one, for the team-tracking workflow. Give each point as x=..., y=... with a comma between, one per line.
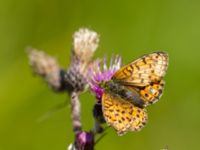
x=45, y=66
x=84, y=140
x=85, y=43
x=100, y=72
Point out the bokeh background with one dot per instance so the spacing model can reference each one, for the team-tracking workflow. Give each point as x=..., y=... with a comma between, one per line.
x=130, y=28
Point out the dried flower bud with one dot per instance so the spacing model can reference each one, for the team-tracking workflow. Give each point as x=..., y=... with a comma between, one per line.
x=45, y=66
x=85, y=42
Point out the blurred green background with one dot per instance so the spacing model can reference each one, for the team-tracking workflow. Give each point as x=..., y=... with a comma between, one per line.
x=130, y=28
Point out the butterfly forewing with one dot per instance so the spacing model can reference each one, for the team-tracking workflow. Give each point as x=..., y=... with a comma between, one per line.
x=143, y=71
x=122, y=114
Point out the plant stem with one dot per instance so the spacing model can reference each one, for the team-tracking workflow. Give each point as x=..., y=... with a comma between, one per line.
x=75, y=111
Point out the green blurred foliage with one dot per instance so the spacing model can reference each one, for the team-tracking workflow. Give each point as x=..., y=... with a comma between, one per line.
x=130, y=28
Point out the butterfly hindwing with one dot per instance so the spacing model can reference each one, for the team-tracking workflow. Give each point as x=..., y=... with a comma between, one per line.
x=152, y=93
x=149, y=94
x=122, y=115
x=143, y=71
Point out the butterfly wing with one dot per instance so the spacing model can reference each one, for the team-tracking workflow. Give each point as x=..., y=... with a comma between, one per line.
x=143, y=71
x=143, y=76
x=152, y=93
x=122, y=114
x=149, y=94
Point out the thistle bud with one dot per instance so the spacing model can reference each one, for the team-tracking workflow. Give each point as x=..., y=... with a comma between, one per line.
x=84, y=141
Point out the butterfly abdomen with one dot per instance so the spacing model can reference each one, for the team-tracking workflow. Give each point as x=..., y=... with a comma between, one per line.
x=116, y=89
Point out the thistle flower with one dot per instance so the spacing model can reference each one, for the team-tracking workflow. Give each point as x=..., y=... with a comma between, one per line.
x=102, y=72
x=85, y=43
x=83, y=141
x=46, y=67
x=75, y=80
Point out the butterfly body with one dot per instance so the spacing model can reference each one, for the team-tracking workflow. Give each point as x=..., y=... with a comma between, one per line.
x=118, y=90
x=131, y=89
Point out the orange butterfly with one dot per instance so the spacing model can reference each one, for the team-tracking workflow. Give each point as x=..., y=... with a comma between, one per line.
x=131, y=89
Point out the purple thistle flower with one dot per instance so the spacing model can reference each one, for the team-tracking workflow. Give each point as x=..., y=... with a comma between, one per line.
x=100, y=71
x=85, y=140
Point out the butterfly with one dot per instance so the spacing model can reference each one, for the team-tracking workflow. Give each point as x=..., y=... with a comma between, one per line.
x=131, y=89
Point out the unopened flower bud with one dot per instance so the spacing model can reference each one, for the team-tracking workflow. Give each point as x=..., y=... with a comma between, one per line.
x=84, y=141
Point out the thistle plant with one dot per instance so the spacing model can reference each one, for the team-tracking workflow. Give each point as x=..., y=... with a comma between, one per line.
x=122, y=93
x=73, y=80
